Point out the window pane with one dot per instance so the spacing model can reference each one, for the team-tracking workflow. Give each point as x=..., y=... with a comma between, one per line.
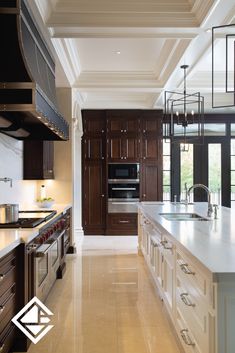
x=166, y=147
x=214, y=161
x=166, y=162
x=232, y=193
x=186, y=170
x=166, y=177
x=232, y=146
x=232, y=177
x=166, y=192
x=233, y=162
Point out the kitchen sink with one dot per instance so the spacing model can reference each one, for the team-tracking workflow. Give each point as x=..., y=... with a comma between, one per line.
x=183, y=217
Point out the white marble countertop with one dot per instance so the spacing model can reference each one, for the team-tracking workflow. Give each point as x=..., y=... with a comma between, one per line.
x=10, y=238
x=212, y=242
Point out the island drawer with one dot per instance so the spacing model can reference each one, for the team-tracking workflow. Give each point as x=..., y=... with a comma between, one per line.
x=192, y=277
x=194, y=312
x=189, y=342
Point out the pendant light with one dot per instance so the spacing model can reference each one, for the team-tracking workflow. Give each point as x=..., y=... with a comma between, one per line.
x=183, y=119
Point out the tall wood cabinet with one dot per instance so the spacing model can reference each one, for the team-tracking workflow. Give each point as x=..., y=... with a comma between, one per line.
x=118, y=136
x=94, y=172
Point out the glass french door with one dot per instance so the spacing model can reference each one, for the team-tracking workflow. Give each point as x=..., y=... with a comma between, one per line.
x=206, y=164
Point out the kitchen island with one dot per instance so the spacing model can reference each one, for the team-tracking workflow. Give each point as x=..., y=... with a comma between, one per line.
x=192, y=263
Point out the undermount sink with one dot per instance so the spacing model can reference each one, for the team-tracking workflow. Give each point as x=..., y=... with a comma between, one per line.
x=183, y=217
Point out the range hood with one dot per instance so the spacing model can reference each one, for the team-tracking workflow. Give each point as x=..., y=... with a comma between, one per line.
x=28, y=105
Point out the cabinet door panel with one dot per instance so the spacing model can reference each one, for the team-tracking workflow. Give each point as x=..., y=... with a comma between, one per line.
x=131, y=126
x=151, y=185
x=94, y=148
x=150, y=147
x=94, y=122
x=115, y=125
x=94, y=197
x=115, y=148
x=130, y=148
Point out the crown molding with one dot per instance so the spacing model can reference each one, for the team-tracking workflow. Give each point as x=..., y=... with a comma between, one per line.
x=147, y=20
x=124, y=32
x=63, y=54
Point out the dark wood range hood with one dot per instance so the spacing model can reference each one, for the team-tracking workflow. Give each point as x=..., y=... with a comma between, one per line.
x=28, y=105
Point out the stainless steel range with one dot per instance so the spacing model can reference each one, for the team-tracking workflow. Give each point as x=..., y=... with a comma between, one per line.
x=30, y=219
x=46, y=254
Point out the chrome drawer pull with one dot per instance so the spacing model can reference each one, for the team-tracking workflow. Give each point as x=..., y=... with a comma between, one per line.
x=186, y=300
x=2, y=347
x=185, y=269
x=2, y=276
x=124, y=221
x=2, y=307
x=164, y=242
x=185, y=336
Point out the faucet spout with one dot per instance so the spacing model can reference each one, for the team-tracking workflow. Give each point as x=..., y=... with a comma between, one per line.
x=204, y=187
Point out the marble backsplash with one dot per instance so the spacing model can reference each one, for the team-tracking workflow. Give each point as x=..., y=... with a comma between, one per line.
x=11, y=165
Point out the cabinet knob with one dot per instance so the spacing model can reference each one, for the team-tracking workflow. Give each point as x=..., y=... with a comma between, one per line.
x=121, y=130
x=102, y=131
x=102, y=157
x=144, y=195
x=144, y=157
x=124, y=157
x=124, y=130
x=102, y=195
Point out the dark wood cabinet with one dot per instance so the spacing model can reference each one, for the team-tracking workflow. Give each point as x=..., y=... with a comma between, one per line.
x=94, y=198
x=119, y=136
x=151, y=181
x=94, y=122
x=38, y=159
x=123, y=122
x=94, y=148
x=122, y=223
x=123, y=149
x=151, y=148
x=11, y=297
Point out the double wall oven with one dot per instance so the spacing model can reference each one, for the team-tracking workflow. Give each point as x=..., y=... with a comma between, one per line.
x=123, y=187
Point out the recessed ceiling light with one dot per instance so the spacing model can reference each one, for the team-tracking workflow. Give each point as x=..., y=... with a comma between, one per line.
x=118, y=52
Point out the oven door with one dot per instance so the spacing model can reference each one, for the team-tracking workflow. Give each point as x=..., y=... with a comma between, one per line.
x=42, y=271
x=123, y=191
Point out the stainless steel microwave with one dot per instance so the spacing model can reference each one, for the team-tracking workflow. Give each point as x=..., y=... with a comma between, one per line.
x=123, y=172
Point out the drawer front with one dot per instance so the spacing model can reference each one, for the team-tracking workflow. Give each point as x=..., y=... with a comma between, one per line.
x=194, y=314
x=7, y=260
x=8, y=278
x=8, y=312
x=186, y=336
x=6, y=301
x=192, y=278
x=122, y=223
x=7, y=338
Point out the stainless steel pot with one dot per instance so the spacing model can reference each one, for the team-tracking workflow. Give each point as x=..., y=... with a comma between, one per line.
x=9, y=213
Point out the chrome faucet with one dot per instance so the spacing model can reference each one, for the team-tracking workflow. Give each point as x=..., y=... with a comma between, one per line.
x=204, y=187
x=6, y=180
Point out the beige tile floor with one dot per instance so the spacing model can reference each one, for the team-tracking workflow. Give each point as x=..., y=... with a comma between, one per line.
x=106, y=303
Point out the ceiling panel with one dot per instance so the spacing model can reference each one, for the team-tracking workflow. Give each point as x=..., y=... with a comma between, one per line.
x=102, y=54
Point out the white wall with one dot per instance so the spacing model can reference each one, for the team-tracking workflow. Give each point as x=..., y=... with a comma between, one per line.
x=11, y=165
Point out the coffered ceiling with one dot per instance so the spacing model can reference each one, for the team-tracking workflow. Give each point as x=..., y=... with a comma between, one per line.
x=124, y=54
